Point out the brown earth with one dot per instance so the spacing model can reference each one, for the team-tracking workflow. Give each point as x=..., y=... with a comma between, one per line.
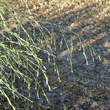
x=88, y=86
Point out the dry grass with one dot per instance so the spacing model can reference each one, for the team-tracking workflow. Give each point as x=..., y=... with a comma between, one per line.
x=90, y=20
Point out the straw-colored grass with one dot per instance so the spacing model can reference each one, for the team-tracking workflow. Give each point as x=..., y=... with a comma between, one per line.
x=18, y=51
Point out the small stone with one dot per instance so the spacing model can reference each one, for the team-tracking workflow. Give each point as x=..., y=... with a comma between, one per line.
x=94, y=105
x=34, y=7
x=32, y=107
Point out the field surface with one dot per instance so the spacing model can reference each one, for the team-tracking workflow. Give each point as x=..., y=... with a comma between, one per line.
x=87, y=85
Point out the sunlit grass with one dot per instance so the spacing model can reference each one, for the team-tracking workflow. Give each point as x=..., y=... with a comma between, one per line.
x=18, y=52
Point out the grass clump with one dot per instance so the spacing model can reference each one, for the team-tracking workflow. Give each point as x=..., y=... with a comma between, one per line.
x=20, y=48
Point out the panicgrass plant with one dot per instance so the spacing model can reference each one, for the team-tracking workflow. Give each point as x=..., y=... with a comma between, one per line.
x=19, y=50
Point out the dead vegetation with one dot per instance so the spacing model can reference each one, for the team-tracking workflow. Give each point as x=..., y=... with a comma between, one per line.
x=88, y=87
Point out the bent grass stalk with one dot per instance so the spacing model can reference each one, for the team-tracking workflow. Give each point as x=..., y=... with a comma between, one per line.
x=25, y=55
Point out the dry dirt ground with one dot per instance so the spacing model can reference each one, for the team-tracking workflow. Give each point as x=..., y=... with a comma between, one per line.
x=88, y=86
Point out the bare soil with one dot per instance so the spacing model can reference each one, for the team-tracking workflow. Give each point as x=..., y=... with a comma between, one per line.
x=88, y=86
